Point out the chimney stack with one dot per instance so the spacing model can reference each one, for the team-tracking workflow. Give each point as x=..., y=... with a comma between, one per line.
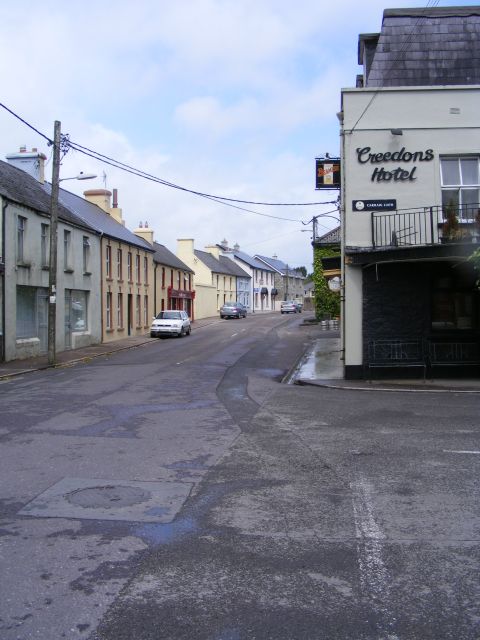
x=31, y=162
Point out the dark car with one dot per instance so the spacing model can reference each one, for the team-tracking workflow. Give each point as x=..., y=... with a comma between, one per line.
x=233, y=310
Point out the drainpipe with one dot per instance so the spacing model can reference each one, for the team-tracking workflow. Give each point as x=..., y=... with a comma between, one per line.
x=102, y=292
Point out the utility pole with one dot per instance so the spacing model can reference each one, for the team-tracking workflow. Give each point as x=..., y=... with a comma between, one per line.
x=52, y=279
x=286, y=283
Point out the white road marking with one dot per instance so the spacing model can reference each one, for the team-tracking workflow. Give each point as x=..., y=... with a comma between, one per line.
x=374, y=577
x=476, y=453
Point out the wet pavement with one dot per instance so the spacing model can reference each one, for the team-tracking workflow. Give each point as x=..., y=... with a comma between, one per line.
x=321, y=365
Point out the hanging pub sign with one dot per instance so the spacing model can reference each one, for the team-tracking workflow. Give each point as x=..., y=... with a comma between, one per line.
x=327, y=173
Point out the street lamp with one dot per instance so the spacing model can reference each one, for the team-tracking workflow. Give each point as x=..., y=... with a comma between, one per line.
x=52, y=275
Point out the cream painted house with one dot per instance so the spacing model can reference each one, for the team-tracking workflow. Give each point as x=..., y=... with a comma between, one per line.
x=216, y=277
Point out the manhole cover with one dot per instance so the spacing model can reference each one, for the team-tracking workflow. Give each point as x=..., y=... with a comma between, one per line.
x=101, y=499
x=109, y=497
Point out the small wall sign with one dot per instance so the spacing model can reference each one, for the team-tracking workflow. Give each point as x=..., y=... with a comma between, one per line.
x=374, y=205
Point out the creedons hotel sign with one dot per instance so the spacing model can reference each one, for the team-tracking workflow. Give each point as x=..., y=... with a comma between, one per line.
x=365, y=155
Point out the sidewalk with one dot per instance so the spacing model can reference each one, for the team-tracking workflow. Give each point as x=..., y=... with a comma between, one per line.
x=322, y=366
x=65, y=358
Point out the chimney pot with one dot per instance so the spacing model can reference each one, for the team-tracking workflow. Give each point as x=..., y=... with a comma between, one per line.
x=115, y=199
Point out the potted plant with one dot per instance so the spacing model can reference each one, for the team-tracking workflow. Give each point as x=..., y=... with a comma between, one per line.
x=450, y=228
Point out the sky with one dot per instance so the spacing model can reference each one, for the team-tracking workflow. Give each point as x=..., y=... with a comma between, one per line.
x=233, y=98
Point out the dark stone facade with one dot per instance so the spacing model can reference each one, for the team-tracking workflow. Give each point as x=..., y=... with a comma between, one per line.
x=397, y=305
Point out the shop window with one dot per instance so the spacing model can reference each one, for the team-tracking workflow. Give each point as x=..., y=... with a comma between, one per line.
x=461, y=185
x=26, y=315
x=79, y=310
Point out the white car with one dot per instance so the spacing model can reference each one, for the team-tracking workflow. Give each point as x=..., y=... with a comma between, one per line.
x=171, y=323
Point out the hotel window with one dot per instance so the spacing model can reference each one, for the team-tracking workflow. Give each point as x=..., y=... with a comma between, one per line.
x=163, y=277
x=171, y=278
x=138, y=310
x=108, y=317
x=120, y=310
x=145, y=270
x=189, y=281
x=461, y=185
x=108, y=261
x=129, y=266
x=119, y=265
x=86, y=254
x=137, y=268
x=45, y=245
x=21, y=231
x=145, y=311
x=67, y=242
x=179, y=286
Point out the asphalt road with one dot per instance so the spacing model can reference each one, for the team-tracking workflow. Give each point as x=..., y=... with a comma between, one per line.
x=179, y=491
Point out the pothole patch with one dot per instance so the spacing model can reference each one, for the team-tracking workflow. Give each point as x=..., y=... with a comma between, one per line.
x=99, y=499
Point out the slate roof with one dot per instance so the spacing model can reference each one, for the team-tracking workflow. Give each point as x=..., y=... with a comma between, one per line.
x=252, y=262
x=280, y=267
x=98, y=219
x=223, y=265
x=424, y=47
x=165, y=256
x=331, y=237
x=19, y=186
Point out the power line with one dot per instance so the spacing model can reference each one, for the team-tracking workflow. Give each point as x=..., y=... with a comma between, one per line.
x=67, y=143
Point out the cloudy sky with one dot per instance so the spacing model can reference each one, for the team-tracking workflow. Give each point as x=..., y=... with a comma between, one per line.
x=233, y=98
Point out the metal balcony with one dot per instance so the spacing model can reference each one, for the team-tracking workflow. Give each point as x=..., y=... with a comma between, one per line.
x=424, y=226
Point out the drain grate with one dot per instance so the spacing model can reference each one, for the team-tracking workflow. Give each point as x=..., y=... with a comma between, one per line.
x=97, y=499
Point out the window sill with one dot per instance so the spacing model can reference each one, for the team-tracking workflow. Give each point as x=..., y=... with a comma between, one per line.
x=108, y=330
x=87, y=273
x=45, y=267
x=24, y=265
x=108, y=279
x=68, y=270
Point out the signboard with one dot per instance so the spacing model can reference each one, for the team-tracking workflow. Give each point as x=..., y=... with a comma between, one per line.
x=374, y=205
x=327, y=173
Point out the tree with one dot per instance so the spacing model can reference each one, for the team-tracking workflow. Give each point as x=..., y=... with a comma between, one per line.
x=327, y=303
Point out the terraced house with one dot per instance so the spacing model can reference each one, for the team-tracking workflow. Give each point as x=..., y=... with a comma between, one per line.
x=217, y=278
x=24, y=265
x=126, y=265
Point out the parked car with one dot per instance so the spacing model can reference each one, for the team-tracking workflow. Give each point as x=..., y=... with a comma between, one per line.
x=288, y=306
x=233, y=310
x=299, y=305
x=171, y=323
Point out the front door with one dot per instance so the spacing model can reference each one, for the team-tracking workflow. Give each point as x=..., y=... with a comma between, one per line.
x=129, y=313
x=42, y=319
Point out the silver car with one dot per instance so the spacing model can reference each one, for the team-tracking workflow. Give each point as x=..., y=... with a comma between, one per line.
x=288, y=306
x=233, y=310
x=171, y=323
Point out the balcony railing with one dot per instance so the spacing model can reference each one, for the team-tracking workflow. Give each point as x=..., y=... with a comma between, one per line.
x=424, y=226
